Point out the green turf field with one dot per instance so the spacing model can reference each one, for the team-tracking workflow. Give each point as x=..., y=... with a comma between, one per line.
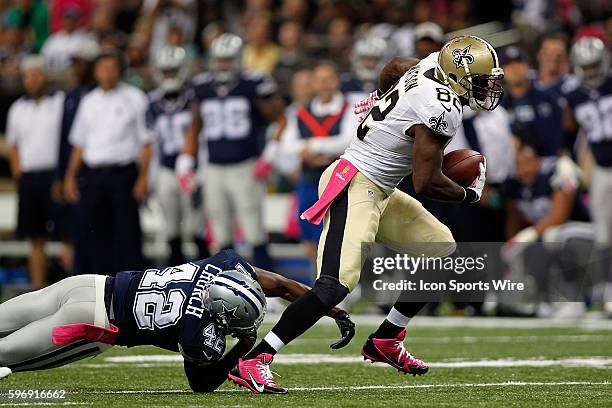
x=478, y=366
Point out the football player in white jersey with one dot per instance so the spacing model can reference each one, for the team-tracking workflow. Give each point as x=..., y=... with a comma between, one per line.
x=404, y=133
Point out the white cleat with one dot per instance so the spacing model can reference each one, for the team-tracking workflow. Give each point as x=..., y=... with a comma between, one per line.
x=5, y=372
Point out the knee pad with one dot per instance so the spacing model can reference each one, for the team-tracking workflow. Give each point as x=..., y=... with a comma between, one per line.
x=329, y=291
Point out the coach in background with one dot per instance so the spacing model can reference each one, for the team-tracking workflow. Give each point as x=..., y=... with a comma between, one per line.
x=318, y=132
x=111, y=154
x=33, y=132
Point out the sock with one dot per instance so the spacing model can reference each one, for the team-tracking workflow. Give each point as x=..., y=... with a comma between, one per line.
x=202, y=245
x=176, y=252
x=299, y=316
x=398, y=318
x=262, y=257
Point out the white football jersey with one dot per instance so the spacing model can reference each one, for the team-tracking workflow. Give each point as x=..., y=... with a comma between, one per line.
x=382, y=150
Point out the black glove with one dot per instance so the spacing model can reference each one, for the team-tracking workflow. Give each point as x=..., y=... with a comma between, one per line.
x=347, y=329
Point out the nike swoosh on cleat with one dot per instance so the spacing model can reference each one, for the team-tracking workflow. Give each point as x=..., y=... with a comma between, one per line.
x=258, y=387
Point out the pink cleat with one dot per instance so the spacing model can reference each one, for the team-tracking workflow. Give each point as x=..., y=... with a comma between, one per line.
x=393, y=352
x=255, y=374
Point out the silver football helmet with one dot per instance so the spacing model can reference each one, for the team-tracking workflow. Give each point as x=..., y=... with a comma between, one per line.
x=171, y=69
x=591, y=61
x=367, y=58
x=226, y=57
x=236, y=301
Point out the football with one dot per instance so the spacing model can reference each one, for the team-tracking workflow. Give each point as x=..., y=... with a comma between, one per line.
x=461, y=166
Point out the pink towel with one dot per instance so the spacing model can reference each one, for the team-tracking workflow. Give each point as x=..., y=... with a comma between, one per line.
x=341, y=177
x=69, y=333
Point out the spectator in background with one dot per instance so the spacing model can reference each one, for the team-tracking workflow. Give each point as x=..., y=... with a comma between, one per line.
x=58, y=7
x=292, y=56
x=260, y=53
x=553, y=62
x=428, y=37
x=112, y=163
x=12, y=51
x=138, y=72
x=319, y=133
x=82, y=70
x=165, y=14
x=60, y=45
x=33, y=17
x=536, y=117
x=338, y=42
x=33, y=133
x=296, y=10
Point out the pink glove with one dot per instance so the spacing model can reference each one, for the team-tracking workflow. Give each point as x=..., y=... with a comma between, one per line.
x=363, y=107
x=263, y=168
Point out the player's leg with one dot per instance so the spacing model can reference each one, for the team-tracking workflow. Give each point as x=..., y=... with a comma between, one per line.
x=405, y=226
x=170, y=200
x=601, y=195
x=29, y=346
x=351, y=221
x=218, y=206
x=192, y=210
x=248, y=196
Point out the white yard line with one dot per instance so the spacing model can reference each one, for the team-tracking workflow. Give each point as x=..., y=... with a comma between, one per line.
x=368, y=387
x=160, y=360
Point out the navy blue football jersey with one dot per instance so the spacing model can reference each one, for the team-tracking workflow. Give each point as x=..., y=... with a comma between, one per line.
x=164, y=308
x=537, y=118
x=355, y=89
x=535, y=201
x=168, y=118
x=593, y=112
x=233, y=128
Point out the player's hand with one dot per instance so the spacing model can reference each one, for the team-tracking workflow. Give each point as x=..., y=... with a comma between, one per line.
x=512, y=248
x=363, y=107
x=347, y=329
x=263, y=168
x=479, y=182
x=185, y=176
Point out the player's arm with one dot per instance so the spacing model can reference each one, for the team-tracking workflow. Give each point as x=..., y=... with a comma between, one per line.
x=275, y=285
x=427, y=176
x=209, y=377
x=191, y=136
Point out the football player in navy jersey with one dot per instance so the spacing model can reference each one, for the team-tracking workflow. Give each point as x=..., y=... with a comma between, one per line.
x=547, y=206
x=189, y=308
x=590, y=111
x=367, y=60
x=231, y=111
x=168, y=117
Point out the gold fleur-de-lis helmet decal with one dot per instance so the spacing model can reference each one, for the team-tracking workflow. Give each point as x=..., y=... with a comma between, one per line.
x=461, y=54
